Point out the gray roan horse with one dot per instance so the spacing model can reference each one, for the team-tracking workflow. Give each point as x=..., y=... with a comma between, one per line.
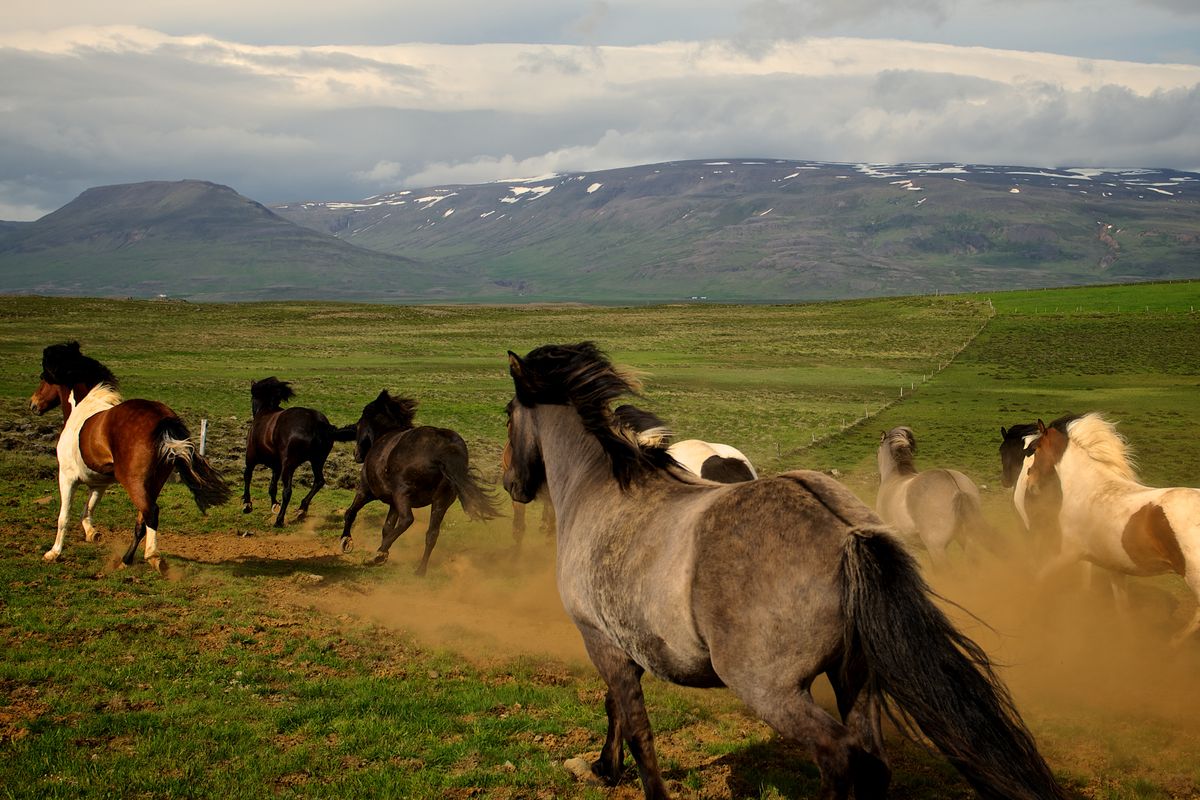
x=929, y=509
x=758, y=586
x=408, y=467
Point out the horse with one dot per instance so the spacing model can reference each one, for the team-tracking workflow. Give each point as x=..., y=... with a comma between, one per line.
x=1107, y=516
x=1038, y=511
x=712, y=461
x=547, y=524
x=106, y=439
x=759, y=586
x=929, y=508
x=407, y=467
x=283, y=439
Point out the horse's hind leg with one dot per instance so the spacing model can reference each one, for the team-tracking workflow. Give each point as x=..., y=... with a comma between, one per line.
x=361, y=498
x=247, y=474
x=861, y=713
x=289, y=469
x=398, y=521
x=66, y=491
x=628, y=720
x=437, y=512
x=273, y=490
x=318, y=468
x=89, y=530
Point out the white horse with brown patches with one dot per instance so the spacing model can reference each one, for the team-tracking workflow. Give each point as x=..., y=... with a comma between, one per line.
x=1107, y=517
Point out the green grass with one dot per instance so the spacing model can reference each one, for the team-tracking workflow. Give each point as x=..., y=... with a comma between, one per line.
x=227, y=680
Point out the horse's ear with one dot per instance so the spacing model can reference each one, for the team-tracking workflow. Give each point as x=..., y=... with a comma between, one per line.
x=1041, y=427
x=882, y=436
x=1003, y=433
x=383, y=394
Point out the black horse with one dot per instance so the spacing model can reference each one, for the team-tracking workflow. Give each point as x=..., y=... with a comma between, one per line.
x=410, y=467
x=283, y=439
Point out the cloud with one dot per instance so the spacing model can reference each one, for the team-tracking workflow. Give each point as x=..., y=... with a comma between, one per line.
x=91, y=106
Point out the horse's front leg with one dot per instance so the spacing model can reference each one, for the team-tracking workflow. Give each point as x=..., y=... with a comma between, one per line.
x=437, y=512
x=89, y=530
x=624, y=679
x=66, y=491
x=361, y=498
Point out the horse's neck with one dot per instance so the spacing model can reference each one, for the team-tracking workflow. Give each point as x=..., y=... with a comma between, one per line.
x=1090, y=485
x=577, y=469
x=888, y=468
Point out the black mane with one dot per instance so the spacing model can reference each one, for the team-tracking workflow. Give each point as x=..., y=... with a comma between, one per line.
x=270, y=393
x=387, y=413
x=64, y=365
x=581, y=376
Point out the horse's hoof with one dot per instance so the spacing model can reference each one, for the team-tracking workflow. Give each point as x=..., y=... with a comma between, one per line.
x=95, y=536
x=301, y=514
x=582, y=770
x=247, y=508
x=50, y=556
x=377, y=560
x=347, y=544
x=275, y=508
x=159, y=563
x=419, y=571
x=278, y=523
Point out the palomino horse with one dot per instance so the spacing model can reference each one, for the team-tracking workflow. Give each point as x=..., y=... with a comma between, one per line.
x=283, y=439
x=410, y=467
x=758, y=586
x=107, y=440
x=1107, y=516
x=928, y=509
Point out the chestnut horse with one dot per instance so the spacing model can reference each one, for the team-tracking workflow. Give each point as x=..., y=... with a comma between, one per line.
x=759, y=586
x=283, y=439
x=107, y=440
x=410, y=467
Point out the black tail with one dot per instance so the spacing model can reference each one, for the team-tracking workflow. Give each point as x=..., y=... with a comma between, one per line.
x=175, y=445
x=477, y=501
x=936, y=675
x=346, y=433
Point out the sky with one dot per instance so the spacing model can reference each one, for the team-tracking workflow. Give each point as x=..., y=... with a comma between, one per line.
x=298, y=100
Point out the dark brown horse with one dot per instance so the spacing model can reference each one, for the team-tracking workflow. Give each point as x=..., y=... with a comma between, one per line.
x=410, y=467
x=107, y=440
x=759, y=586
x=283, y=439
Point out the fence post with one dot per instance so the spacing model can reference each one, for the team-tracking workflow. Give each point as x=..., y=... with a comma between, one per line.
x=203, y=435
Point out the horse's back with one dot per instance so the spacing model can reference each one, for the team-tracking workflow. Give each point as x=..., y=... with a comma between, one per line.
x=768, y=568
x=123, y=434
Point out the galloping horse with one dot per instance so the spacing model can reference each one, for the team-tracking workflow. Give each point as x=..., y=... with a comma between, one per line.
x=759, y=586
x=1039, y=510
x=283, y=439
x=410, y=467
x=929, y=509
x=1107, y=516
x=107, y=440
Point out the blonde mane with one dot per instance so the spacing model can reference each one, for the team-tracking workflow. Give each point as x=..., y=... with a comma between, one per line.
x=101, y=397
x=1099, y=438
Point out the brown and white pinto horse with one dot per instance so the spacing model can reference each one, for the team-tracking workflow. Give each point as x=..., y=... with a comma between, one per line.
x=107, y=440
x=1107, y=517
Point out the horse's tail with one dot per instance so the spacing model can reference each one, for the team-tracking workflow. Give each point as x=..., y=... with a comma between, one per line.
x=971, y=525
x=346, y=433
x=936, y=675
x=175, y=447
x=468, y=482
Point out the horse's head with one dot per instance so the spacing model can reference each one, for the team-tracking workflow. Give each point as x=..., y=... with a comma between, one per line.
x=1015, y=445
x=384, y=413
x=48, y=396
x=268, y=394
x=523, y=468
x=1047, y=450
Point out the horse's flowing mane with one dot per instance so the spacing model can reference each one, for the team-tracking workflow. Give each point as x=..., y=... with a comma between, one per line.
x=902, y=446
x=650, y=429
x=271, y=392
x=582, y=376
x=64, y=365
x=1099, y=438
x=102, y=396
x=391, y=413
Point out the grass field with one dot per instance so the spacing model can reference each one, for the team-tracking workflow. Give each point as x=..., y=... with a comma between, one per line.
x=268, y=665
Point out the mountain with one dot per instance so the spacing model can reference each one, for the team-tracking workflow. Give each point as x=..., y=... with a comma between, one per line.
x=783, y=230
x=196, y=240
